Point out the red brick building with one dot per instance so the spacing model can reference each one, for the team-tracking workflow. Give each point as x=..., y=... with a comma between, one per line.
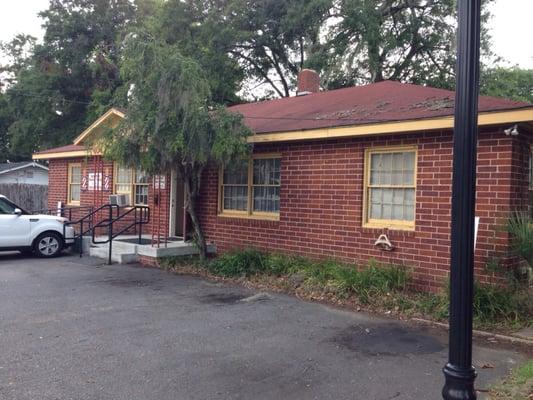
x=332, y=171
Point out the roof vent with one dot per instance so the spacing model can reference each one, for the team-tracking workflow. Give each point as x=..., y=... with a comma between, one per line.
x=308, y=82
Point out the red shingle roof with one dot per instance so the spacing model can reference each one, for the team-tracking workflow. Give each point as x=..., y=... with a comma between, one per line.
x=374, y=103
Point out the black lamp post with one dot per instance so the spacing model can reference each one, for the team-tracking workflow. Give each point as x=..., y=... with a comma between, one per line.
x=459, y=372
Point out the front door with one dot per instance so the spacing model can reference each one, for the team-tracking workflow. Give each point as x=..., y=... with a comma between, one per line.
x=177, y=214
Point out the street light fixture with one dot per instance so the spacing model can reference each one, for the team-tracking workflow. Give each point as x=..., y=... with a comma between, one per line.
x=459, y=372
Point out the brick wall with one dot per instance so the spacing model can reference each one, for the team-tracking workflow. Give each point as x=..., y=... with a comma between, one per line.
x=321, y=205
x=58, y=189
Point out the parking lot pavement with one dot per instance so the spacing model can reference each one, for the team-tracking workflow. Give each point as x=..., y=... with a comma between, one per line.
x=72, y=328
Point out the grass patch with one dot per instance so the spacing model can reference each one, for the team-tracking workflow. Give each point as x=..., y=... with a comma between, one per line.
x=340, y=278
x=376, y=286
x=518, y=386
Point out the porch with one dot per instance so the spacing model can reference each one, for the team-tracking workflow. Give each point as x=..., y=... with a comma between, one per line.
x=126, y=249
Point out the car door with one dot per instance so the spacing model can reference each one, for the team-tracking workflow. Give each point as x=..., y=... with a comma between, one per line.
x=15, y=230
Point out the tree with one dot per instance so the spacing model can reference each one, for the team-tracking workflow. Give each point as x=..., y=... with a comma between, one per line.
x=404, y=40
x=56, y=88
x=273, y=40
x=198, y=29
x=511, y=83
x=172, y=121
x=5, y=121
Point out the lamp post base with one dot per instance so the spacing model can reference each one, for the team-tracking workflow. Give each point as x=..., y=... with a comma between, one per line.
x=459, y=383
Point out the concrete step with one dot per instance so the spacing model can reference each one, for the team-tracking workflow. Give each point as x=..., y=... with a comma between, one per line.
x=118, y=256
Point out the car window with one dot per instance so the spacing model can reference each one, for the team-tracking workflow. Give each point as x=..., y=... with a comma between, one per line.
x=6, y=207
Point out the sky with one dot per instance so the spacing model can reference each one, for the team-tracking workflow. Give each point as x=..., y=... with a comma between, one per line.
x=510, y=26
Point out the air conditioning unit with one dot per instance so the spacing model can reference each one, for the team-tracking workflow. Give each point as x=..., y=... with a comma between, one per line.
x=120, y=200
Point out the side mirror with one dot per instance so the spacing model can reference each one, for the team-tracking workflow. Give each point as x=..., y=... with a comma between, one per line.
x=17, y=211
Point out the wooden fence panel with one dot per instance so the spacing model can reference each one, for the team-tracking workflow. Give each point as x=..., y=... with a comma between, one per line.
x=29, y=197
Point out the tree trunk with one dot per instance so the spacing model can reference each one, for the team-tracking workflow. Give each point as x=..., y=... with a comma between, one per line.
x=190, y=206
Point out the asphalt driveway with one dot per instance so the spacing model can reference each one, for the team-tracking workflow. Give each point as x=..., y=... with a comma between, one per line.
x=72, y=328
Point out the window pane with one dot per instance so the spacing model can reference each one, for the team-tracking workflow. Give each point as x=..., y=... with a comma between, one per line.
x=266, y=198
x=397, y=212
x=395, y=204
x=235, y=198
x=376, y=196
x=375, y=211
x=123, y=175
x=266, y=171
x=237, y=173
x=141, y=194
x=75, y=192
x=75, y=174
x=387, y=196
x=409, y=213
x=6, y=207
x=387, y=211
x=141, y=176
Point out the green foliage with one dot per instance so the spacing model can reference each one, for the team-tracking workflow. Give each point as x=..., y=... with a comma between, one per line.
x=173, y=120
x=517, y=386
x=376, y=285
x=273, y=39
x=240, y=263
x=199, y=29
x=370, y=281
x=397, y=40
x=55, y=88
x=510, y=83
x=520, y=226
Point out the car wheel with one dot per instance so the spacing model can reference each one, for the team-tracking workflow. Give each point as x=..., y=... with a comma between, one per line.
x=48, y=244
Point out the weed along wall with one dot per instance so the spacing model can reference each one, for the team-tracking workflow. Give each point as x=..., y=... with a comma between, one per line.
x=321, y=204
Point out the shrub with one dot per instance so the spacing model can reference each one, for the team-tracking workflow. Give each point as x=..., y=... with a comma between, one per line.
x=239, y=263
x=520, y=226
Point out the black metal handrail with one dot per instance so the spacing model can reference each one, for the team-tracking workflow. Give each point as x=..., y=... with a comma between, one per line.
x=141, y=216
x=89, y=220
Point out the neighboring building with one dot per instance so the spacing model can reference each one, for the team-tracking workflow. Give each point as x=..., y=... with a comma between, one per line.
x=25, y=172
x=332, y=171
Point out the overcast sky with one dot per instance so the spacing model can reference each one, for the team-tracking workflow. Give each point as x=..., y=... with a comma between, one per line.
x=510, y=26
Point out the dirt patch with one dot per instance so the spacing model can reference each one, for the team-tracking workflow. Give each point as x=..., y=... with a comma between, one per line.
x=222, y=298
x=386, y=340
x=129, y=283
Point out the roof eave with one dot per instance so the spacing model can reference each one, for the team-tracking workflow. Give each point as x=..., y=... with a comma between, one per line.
x=87, y=132
x=64, y=154
x=395, y=127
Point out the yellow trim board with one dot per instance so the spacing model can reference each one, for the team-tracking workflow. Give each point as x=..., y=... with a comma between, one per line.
x=111, y=112
x=64, y=154
x=484, y=119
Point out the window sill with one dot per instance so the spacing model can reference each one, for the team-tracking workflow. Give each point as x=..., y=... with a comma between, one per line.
x=73, y=203
x=264, y=217
x=390, y=227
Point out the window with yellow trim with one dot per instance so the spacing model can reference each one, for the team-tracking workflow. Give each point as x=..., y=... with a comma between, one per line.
x=134, y=183
x=74, y=183
x=390, y=187
x=140, y=187
x=251, y=187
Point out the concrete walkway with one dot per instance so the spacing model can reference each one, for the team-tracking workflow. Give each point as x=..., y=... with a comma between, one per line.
x=72, y=328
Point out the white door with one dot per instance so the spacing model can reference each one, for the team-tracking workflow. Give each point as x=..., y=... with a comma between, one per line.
x=15, y=230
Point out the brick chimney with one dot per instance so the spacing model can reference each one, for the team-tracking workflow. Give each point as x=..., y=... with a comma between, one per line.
x=308, y=82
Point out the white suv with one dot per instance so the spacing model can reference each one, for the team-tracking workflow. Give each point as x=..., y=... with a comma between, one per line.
x=40, y=234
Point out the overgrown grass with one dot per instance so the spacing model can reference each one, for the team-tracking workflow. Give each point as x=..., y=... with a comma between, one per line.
x=518, y=386
x=376, y=285
x=343, y=279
